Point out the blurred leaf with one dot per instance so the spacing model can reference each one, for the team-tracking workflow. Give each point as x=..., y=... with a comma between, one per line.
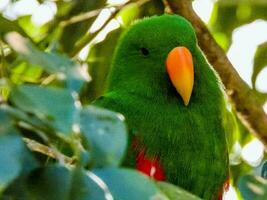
x=264, y=170
x=6, y=122
x=129, y=184
x=63, y=67
x=244, y=135
x=232, y=131
x=23, y=72
x=105, y=135
x=260, y=61
x=69, y=37
x=19, y=115
x=36, y=33
x=253, y=187
x=57, y=183
x=99, y=61
x=176, y=193
x=152, y=7
x=8, y=26
x=228, y=15
x=47, y=104
x=239, y=170
x=14, y=157
x=43, y=184
x=128, y=14
x=261, y=170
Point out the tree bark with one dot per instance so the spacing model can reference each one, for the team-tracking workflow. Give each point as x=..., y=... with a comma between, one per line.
x=242, y=97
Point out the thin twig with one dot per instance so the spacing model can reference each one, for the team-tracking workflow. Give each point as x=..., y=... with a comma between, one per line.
x=86, y=16
x=45, y=150
x=2, y=63
x=89, y=36
x=243, y=99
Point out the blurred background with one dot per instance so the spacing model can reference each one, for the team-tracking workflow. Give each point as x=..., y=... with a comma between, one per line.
x=87, y=31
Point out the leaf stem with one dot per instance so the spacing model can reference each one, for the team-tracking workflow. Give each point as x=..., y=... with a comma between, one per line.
x=48, y=151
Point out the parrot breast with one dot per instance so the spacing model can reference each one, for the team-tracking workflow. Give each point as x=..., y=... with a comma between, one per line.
x=149, y=166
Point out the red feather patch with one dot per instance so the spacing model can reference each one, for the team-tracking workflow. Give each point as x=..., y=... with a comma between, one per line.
x=150, y=167
x=225, y=188
x=146, y=165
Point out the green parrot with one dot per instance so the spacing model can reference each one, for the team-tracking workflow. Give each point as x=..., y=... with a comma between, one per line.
x=173, y=103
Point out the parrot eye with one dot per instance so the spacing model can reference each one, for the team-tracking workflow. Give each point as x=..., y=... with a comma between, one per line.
x=144, y=51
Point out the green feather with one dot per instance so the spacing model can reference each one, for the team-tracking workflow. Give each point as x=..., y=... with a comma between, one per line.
x=189, y=140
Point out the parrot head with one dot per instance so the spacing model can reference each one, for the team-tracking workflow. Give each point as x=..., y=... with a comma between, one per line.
x=156, y=57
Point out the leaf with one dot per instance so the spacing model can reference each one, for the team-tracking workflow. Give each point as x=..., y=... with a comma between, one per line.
x=128, y=14
x=105, y=135
x=70, y=37
x=21, y=72
x=99, y=65
x=8, y=26
x=127, y=184
x=14, y=157
x=264, y=170
x=260, y=61
x=176, y=193
x=37, y=33
x=151, y=8
x=228, y=15
x=56, y=182
x=65, y=69
x=253, y=187
x=5, y=122
x=19, y=115
x=47, y=103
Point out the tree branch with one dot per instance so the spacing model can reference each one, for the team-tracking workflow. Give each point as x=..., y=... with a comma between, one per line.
x=243, y=99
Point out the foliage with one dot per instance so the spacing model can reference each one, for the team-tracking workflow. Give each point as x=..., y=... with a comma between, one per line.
x=226, y=17
x=51, y=145
x=51, y=137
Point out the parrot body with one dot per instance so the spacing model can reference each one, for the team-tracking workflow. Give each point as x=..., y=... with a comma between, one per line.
x=171, y=138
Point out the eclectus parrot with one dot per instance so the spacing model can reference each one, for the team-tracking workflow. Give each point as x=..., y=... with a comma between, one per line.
x=173, y=103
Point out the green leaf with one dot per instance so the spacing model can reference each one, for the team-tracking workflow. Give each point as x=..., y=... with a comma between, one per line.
x=64, y=68
x=105, y=135
x=99, y=65
x=239, y=170
x=37, y=33
x=128, y=14
x=8, y=26
x=228, y=15
x=151, y=8
x=127, y=184
x=253, y=187
x=58, y=183
x=260, y=62
x=176, y=193
x=14, y=157
x=19, y=115
x=5, y=121
x=21, y=72
x=50, y=104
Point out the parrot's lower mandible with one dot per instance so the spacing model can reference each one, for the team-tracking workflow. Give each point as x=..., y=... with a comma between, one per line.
x=173, y=103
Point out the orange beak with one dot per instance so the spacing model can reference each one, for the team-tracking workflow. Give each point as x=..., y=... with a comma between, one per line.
x=181, y=71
